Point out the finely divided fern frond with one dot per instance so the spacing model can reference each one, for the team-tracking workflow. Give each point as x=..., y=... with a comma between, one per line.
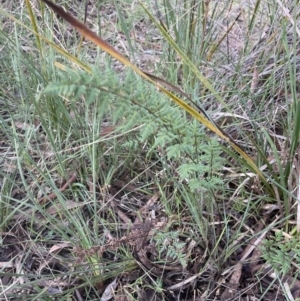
x=130, y=102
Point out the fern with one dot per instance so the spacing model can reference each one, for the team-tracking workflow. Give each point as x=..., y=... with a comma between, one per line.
x=170, y=247
x=280, y=252
x=131, y=102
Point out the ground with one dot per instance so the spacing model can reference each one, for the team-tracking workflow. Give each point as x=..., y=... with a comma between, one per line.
x=109, y=191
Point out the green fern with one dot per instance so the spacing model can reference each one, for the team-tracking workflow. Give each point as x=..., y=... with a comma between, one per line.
x=280, y=252
x=130, y=102
x=171, y=247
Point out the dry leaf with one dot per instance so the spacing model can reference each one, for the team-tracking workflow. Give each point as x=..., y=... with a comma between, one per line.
x=67, y=205
x=109, y=291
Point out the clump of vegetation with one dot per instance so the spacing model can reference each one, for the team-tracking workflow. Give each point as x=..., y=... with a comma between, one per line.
x=280, y=253
x=116, y=184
